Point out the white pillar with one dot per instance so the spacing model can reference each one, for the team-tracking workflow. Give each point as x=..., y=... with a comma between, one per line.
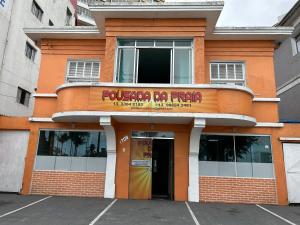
x=109, y=190
x=193, y=190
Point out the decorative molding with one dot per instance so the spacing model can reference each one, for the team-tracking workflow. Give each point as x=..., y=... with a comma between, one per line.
x=109, y=190
x=41, y=119
x=267, y=124
x=61, y=115
x=291, y=139
x=44, y=95
x=266, y=99
x=254, y=30
x=193, y=189
x=187, y=86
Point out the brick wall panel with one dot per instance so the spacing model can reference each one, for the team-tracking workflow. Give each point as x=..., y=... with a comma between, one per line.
x=84, y=184
x=237, y=190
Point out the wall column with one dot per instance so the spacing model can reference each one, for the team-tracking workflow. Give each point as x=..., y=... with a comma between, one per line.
x=193, y=190
x=106, y=123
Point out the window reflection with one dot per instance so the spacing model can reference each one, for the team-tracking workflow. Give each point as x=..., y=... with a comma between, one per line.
x=241, y=156
x=216, y=148
x=71, y=143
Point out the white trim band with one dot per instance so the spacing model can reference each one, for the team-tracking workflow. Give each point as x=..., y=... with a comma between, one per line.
x=267, y=124
x=186, y=86
x=41, y=119
x=289, y=139
x=44, y=95
x=266, y=99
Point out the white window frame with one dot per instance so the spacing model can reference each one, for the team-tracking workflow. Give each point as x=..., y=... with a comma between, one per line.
x=136, y=57
x=226, y=80
x=30, y=51
x=37, y=10
x=26, y=98
x=72, y=79
x=297, y=39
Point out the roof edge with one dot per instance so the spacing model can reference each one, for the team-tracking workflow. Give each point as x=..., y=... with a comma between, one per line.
x=289, y=14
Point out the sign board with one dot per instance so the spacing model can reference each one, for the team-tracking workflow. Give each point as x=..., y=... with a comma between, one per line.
x=152, y=99
x=141, y=163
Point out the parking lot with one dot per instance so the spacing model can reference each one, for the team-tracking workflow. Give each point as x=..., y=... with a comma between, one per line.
x=50, y=210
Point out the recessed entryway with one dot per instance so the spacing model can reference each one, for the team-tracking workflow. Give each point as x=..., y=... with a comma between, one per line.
x=151, y=172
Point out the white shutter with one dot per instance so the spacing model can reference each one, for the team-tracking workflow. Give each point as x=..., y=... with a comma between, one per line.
x=80, y=68
x=83, y=71
x=222, y=71
x=88, y=69
x=227, y=73
x=230, y=71
x=72, y=69
x=239, y=71
x=95, y=71
x=214, y=71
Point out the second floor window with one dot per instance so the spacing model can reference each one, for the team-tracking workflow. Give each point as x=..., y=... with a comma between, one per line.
x=23, y=96
x=36, y=10
x=227, y=73
x=155, y=61
x=68, y=17
x=30, y=51
x=83, y=71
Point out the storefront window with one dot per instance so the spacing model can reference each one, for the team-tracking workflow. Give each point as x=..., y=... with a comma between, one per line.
x=75, y=144
x=71, y=151
x=242, y=156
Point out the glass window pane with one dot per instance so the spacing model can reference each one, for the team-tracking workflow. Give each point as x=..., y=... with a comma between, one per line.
x=243, y=146
x=46, y=143
x=142, y=43
x=183, y=43
x=164, y=43
x=261, y=150
x=126, y=42
x=253, y=149
x=126, y=65
x=182, y=66
x=77, y=144
x=216, y=148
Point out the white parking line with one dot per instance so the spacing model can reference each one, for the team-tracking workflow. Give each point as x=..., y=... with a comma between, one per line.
x=192, y=214
x=16, y=210
x=103, y=212
x=274, y=214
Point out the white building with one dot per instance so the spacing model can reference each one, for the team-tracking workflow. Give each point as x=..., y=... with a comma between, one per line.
x=19, y=56
x=84, y=16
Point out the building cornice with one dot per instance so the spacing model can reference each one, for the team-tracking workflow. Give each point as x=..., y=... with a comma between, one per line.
x=250, y=33
x=79, y=32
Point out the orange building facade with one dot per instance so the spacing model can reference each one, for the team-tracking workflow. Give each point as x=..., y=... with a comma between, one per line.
x=157, y=104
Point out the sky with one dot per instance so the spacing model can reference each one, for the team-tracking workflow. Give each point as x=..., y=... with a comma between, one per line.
x=253, y=12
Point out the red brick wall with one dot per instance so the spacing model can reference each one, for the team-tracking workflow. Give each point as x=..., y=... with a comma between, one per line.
x=237, y=190
x=88, y=184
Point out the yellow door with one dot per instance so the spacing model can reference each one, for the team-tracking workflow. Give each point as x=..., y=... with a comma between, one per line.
x=140, y=169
